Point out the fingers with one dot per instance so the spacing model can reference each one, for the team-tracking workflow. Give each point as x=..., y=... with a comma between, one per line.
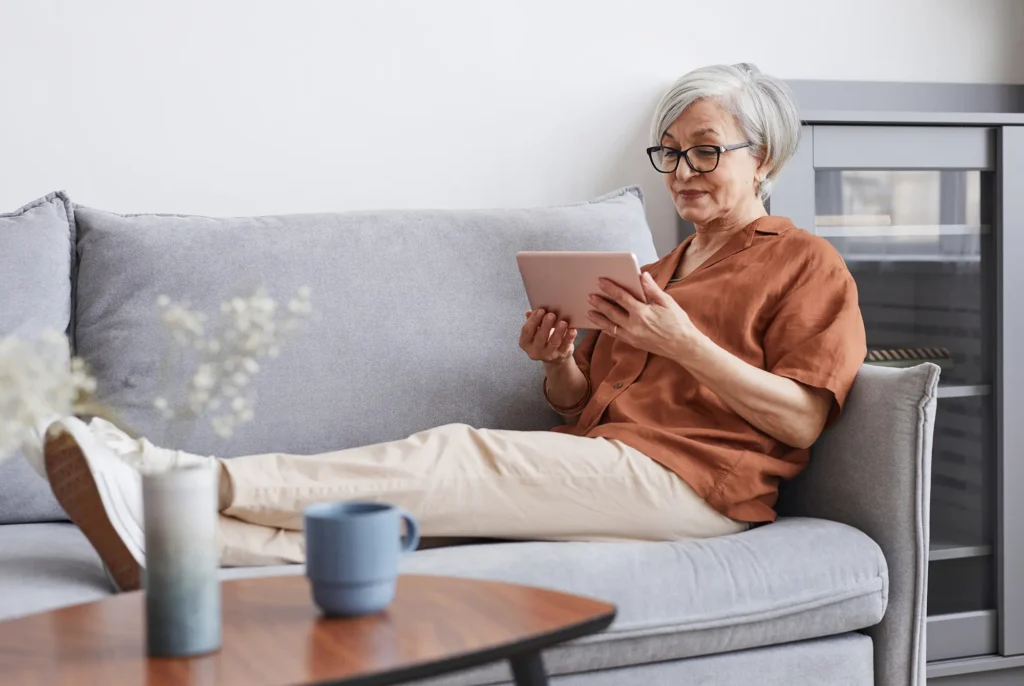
x=554, y=343
x=568, y=338
x=618, y=295
x=601, y=321
x=651, y=288
x=544, y=337
x=609, y=310
x=529, y=330
x=544, y=330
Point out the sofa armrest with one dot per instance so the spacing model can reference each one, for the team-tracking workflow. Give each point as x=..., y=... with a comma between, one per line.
x=872, y=470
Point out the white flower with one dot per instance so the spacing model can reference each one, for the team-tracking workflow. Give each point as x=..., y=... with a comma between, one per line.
x=183, y=324
x=299, y=307
x=205, y=377
x=223, y=426
x=161, y=404
x=229, y=349
x=39, y=382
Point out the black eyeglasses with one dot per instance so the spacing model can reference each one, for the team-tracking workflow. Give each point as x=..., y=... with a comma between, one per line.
x=700, y=158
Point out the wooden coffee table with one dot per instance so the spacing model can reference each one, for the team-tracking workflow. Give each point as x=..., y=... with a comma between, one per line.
x=274, y=635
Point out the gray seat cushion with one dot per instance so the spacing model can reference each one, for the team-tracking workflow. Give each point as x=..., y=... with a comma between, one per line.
x=792, y=580
x=789, y=581
x=36, y=247
x=46, y=566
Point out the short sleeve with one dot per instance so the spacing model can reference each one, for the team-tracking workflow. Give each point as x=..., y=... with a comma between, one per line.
x=817, y=335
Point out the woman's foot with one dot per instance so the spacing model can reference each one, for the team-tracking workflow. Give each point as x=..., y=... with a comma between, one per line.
x=139, y=452
x=102, y=495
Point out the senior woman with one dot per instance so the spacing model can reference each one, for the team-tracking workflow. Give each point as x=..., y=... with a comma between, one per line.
x=683, y=413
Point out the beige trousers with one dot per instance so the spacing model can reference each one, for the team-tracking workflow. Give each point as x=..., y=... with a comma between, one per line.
x=466, y=483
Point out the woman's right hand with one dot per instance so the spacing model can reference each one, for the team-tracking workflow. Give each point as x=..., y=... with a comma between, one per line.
x=544, y=340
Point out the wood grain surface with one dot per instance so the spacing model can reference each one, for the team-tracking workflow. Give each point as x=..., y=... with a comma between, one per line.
x=274, y=635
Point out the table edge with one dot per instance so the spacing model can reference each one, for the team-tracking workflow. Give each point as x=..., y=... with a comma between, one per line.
x=530, y=645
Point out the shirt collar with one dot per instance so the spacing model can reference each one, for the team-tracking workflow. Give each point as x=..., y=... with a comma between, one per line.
x=771, y=224
x=741, y=241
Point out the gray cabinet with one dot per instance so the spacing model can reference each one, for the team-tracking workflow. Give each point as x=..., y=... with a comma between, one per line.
x=930, y=221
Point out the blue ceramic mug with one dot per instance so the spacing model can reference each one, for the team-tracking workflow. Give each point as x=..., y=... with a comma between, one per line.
x=352, y=554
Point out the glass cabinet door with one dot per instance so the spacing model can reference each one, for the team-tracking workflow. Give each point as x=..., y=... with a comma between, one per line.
x=915, y=228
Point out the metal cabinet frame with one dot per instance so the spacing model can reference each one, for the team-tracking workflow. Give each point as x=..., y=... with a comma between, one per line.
x=981, y=126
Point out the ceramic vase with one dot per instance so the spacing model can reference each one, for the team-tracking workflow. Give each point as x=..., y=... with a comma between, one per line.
x=181, y=580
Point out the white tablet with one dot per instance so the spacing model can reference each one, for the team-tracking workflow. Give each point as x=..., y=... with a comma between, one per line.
x=560, y=282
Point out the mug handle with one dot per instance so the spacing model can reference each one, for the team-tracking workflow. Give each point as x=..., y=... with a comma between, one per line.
x=412, y=531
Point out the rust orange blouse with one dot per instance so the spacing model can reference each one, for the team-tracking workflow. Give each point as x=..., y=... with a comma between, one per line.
x=775, y=296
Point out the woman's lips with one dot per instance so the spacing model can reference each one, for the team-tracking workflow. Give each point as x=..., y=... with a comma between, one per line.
x=691, y=195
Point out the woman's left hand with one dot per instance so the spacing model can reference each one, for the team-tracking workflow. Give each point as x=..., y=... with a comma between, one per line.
x=659, y=326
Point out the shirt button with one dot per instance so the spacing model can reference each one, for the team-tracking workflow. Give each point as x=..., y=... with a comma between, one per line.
x=617, y=386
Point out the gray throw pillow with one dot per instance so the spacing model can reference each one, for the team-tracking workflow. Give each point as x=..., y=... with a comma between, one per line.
x=417, y=314
x=36, y=249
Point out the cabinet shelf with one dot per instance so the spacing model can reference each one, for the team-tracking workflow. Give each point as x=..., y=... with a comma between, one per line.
x=895, y=230
x=966, y=391
x=945, y=549
x=911, y=257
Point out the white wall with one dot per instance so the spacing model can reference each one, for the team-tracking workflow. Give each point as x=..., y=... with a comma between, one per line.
x=260, y=106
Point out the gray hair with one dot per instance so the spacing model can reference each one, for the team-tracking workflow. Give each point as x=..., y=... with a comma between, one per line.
x=763, y=106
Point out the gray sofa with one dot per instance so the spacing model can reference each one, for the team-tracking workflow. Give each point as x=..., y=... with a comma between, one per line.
x=416, y=325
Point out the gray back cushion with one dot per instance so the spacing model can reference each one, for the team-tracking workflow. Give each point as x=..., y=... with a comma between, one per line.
x=36, y=247
x=417, y=314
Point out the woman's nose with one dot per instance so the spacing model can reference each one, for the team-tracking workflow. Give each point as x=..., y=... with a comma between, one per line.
x=683, y=171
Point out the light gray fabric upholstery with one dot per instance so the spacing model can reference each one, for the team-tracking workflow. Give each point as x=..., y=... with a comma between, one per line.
x=790, y=581
x=872, y=470
x=796, y=579
x=47, y=566
x=835, y=661
x=793, y=580
x=418, y=313
x=36, y=246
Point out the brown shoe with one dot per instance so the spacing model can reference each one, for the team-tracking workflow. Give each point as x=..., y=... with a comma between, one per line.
x=103, y=497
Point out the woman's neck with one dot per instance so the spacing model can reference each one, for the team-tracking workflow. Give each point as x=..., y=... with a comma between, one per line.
x=714, y=234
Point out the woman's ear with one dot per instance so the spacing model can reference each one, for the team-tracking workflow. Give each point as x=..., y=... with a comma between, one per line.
x=760, y=174
x=762, y=171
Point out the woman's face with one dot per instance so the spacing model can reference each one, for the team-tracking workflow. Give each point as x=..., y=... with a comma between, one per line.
x=727, y=193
